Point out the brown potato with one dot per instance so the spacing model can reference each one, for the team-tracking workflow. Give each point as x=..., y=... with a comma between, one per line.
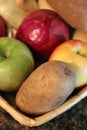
x=74, y=12
x=46, y=88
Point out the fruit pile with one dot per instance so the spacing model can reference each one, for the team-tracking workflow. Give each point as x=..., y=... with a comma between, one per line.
x=41, y=56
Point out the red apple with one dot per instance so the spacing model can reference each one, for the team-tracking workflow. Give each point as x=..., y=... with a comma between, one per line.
x=43, y=30
x=2, y=27
x=73, y=52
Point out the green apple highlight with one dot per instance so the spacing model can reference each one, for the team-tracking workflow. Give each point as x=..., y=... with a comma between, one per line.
x=16, y=63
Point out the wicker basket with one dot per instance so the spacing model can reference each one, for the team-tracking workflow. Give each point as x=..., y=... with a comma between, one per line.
x=36, y=121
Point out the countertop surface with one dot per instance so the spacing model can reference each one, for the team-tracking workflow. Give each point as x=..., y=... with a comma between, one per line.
x=73, y=119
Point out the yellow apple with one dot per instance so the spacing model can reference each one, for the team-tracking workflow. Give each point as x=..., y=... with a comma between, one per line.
x=80, y=35
x=44, y=5
x=73, y=52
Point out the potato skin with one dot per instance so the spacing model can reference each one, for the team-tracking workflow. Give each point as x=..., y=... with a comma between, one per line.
x=46, y=88
x=74, y=12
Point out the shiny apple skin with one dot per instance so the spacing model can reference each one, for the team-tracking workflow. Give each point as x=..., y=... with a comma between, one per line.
x=16, y=63
x=43, y=30
x=73, y=52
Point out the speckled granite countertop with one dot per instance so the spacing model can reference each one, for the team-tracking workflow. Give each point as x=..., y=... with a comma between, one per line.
x=73, y=119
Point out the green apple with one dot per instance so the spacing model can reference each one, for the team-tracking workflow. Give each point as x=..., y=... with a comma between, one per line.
x=16, y=63
x=73, y=52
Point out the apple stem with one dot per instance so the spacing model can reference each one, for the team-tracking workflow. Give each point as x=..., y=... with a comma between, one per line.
x=6, y=54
